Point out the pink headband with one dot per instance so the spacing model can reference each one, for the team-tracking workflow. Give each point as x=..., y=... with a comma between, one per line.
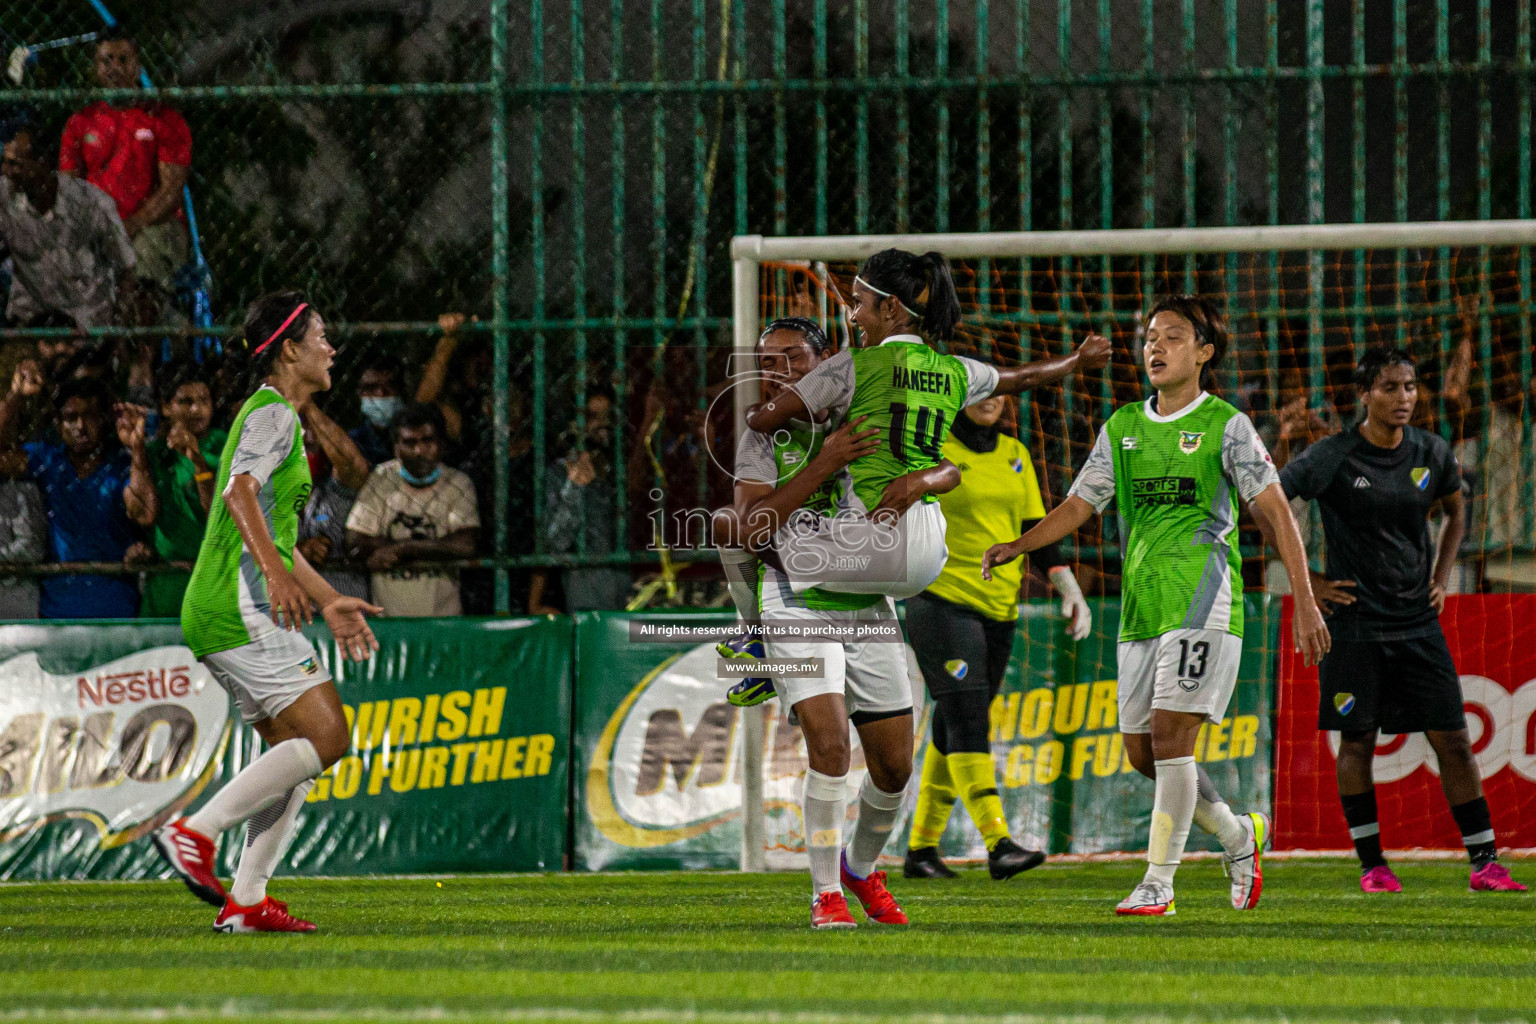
x=278, y=333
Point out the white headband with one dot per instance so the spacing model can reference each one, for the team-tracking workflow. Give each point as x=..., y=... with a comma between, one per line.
x=859, y=280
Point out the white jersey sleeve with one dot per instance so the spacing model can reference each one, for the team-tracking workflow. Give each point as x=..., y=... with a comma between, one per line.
x=1095, y=482
x=829, y=386
x=266, y=438
x=754, y=458
x=981, y=379
x=1244, y=458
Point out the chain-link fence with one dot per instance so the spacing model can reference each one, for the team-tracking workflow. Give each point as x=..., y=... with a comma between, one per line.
x=568, y=175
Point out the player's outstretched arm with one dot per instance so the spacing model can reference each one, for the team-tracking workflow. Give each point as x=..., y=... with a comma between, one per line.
x=344, y=615
x=763, y=509
x=1308, y=630
x=1092, y=354
x=1058, y=523
x=767, y=417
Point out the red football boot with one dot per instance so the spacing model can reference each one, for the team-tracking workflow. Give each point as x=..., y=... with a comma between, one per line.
x=878, y=903
x=269, y=915
x=192, y=855
x=831, y=911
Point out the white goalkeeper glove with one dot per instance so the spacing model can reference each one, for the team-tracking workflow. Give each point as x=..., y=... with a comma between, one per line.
x=1074, y=607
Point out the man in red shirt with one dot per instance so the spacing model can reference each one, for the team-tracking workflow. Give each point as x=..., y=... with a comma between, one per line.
x=138, y=154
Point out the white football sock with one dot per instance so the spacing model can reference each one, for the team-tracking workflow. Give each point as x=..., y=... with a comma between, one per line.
x=266, y=833
x=262, y=783
x=743, y=571
x=1214, y=816
x=1173, y=807
x=824, y=809
x=877, y=816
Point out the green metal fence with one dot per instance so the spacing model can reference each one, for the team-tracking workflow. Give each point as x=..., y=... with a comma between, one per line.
x=571, y=171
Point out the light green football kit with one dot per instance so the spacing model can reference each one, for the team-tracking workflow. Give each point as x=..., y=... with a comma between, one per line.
x=912, y=394
x=226, y=615
x=1175, y=481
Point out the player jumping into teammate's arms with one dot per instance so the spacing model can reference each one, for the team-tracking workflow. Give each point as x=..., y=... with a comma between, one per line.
x=798, y=471
x=251, y=590
x=1390, y=669
x=1175, y=467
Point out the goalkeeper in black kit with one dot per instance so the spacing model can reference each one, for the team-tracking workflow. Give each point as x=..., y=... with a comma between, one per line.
x=1390, y=669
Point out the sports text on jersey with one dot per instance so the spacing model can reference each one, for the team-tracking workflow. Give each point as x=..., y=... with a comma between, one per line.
x=934, y=382
x=1163, y=490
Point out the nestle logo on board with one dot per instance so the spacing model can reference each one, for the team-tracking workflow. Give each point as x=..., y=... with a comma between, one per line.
x=132, y=687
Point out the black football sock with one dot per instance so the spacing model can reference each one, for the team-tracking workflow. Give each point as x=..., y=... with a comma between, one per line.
x=1476, y=826
x=1360, y=813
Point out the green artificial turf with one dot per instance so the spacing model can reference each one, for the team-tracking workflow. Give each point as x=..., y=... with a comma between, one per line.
x=710, y=946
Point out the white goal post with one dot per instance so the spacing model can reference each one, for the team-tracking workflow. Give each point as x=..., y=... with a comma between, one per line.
x=749, y=252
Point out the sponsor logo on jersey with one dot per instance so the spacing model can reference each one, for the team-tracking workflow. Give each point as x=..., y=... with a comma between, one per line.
x=1018, y=465
x=956, y=667
x=1129, y=443
x=1189, y=441
x=934, y=382
x=1189, y=685
x=1163, y=490
x=1420, y=477
x=1344, y=703
x=1361, y=483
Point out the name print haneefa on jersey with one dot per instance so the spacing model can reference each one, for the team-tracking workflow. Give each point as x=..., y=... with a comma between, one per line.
x=1176, y=481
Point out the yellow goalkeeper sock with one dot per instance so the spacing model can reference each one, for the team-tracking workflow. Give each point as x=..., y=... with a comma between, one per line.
x=976, y=780
x=935, y=799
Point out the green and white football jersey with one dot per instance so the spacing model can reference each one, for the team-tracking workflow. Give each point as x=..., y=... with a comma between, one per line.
x=776, y=460
x=226, y=605
x=1175, y=481
x=910, y=392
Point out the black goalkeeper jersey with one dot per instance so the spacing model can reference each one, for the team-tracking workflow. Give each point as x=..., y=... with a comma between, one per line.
x=1375, y=504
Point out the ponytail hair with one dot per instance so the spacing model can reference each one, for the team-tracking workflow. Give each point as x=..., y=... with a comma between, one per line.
x=922, y=284
x=1209, y=325
x=271, y=320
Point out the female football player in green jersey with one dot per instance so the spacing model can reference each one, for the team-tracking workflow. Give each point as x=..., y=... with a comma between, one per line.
x=250, y=592
x=798, y=471
x=902, y=304
x=1175, y=466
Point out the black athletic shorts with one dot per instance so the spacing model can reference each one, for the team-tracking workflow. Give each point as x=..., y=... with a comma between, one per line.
x=957, y=647
x=1394, y=686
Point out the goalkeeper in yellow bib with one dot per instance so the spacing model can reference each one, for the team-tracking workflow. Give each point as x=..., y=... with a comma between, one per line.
x=251, y=591
x=1175, y=467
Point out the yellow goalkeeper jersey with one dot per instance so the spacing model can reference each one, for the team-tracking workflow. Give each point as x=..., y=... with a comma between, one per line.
x=997, y=493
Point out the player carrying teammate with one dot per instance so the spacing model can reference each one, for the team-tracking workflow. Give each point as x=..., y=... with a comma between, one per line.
x=962, y=630
x=1175, y=467
x=902, y=304
x=798, y=471
x=1390, y=669
x=251, y=590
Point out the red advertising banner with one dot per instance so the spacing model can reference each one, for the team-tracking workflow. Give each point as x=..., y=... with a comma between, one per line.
x=1493, y=640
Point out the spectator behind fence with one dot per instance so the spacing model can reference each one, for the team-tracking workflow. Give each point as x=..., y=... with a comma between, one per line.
x=479, y=585
x=379, y=390
x=139, y=154
x=69, y=251
x=184, y=461
x=23, y=541
x=93, y=492
x=338, y=471
x=579, y=489
x=455, y=380
x=413, y=508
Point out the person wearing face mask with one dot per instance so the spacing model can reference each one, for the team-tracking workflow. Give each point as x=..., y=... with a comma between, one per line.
x=379, y=392
x=579, y=491
x=415, y=509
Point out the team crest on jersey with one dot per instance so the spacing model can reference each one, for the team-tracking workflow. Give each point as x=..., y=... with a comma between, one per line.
x=1344, y=703
x=1189, y=441
x=956, y=667
x=1018, y=465
x=1420, y=477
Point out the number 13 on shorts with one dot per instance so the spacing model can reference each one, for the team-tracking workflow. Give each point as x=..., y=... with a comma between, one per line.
x=1189, y=670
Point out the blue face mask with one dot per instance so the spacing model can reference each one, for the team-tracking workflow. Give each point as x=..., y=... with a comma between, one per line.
x=421, y=481
x=381, y=411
